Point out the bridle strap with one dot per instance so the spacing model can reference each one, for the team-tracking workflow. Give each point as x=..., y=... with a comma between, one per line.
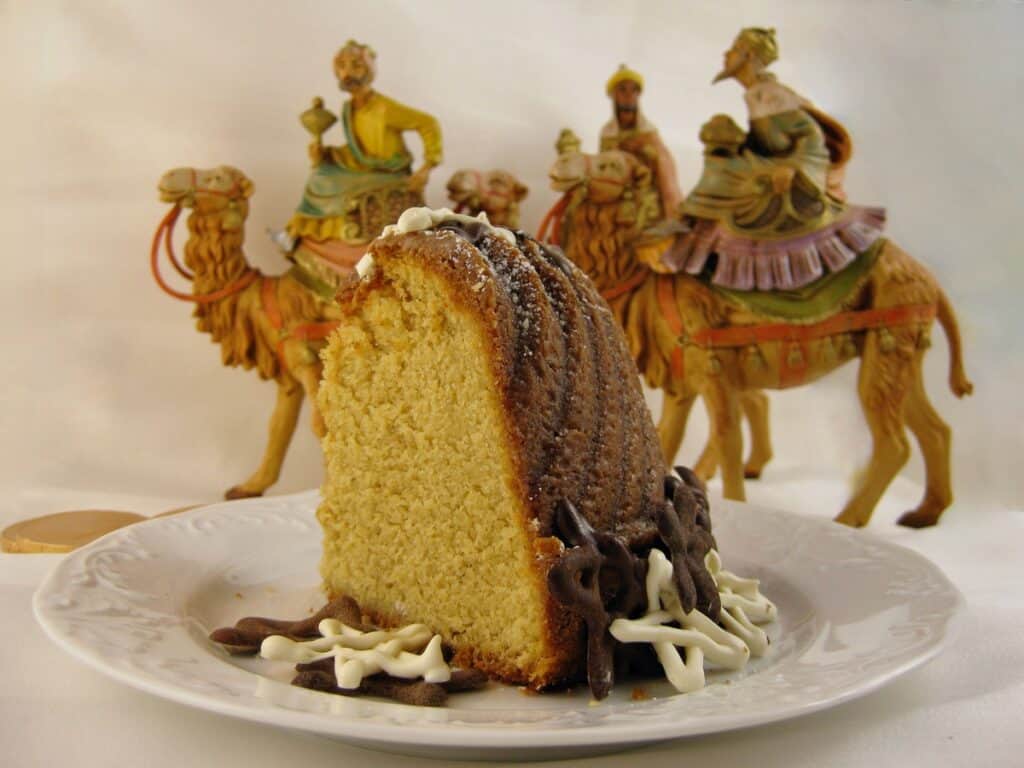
x=483, y=189
x=553, y=221
x=233, y=191
x=588, y=171
x=169, y=248
x=163, y=232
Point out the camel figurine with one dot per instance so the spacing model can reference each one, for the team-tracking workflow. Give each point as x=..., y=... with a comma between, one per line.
x=274, y=324
x=691, y=339
x=496, y=193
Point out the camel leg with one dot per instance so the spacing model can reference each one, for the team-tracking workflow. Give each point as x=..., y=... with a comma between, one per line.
x=934, y=437
x=883, y=385
x=309, y=376
x=675, y=411
x=707, y=462
x=755, y=408
x=727, y=436
x=754, y=403
x=282, y=427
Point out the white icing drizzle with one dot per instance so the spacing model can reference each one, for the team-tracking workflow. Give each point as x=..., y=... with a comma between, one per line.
x=743, y=605
x=419, y=219
x=729, y=647
x=365, y=265
x=359, y=654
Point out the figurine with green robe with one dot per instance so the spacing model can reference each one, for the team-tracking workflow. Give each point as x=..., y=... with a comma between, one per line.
x=770, y=206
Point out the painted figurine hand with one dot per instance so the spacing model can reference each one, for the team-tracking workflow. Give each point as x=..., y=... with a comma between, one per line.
x=418, y=180
x=317, y=152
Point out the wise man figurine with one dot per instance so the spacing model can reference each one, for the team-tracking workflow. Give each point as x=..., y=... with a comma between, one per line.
x=359, y=187
x=781, y=120
x=769, y=212
x=630, y=131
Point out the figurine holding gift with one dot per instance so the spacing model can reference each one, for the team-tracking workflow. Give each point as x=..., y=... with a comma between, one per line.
x=357, y=188
x=779, y=185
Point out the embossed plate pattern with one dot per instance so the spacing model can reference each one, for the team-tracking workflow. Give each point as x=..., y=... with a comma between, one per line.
x=854, y=613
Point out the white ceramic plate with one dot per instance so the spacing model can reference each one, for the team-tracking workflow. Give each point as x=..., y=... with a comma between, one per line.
x=854, y=613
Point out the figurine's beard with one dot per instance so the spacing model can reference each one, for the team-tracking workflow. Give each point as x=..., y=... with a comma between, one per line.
x=625, y=115
x=354, y=83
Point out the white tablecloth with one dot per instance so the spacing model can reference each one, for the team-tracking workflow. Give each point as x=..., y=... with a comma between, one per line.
x=962, y=708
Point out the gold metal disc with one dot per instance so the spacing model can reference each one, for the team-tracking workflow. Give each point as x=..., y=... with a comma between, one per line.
x=65, y=531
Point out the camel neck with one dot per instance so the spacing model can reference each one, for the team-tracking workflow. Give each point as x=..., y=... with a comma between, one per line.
x=610, y=266
x=215, y=256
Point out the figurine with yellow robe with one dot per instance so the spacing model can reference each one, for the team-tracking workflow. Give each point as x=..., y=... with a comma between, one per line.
x=361, y=186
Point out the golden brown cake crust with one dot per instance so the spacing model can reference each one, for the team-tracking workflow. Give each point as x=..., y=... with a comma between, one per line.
x=577, y=425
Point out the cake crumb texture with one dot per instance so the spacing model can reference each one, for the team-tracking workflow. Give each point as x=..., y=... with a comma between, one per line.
x=421, y=518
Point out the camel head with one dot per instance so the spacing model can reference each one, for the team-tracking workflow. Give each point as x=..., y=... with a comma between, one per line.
x=222, y=191
x=605, y=176
x=495, y=192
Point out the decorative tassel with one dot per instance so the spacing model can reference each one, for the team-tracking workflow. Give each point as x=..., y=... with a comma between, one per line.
x=795, y=356
x=753, y=357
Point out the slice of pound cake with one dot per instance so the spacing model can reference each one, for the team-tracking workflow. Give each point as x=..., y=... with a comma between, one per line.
x=492, y=470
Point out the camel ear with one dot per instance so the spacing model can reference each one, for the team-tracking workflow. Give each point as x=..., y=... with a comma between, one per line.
x=641, y=175
x=520, y=191
x=247, y=187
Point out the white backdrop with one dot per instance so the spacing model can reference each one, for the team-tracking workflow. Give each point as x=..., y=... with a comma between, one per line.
x=108, y=390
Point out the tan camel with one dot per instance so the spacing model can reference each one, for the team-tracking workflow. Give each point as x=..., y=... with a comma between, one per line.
x=496, y=193
x=680, y=328
x=274, y=324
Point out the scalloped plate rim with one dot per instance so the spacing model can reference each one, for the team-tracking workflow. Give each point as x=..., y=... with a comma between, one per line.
x=421, y=738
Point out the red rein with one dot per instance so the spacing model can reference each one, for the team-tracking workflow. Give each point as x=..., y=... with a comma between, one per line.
x=553, y=220
x=164, y=232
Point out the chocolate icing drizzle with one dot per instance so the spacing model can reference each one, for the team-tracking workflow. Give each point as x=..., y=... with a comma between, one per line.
x=596, y=578
x=249, y=633
x=599, y=579
x=319, y=676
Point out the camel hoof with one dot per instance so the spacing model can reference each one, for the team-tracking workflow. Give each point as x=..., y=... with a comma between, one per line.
x=752, y=474
x=917, y=519
x=240, y=492
x=850, y=521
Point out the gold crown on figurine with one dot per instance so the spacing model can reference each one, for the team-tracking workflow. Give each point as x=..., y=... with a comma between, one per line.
x=622, y=74
x=761, y=42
